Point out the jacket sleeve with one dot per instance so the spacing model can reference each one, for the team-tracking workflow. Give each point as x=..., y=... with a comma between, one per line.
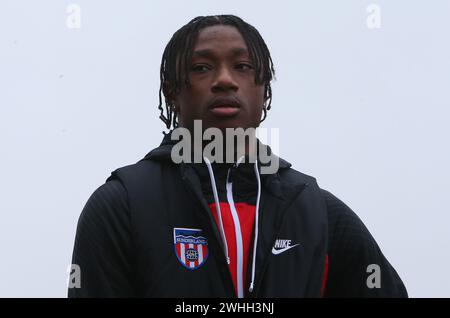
x=103, y=245
x=357, y=267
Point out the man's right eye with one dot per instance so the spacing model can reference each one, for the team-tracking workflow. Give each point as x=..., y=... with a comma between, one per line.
x=200, y=68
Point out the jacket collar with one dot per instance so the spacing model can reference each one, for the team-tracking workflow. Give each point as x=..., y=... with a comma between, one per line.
x=163, y=152
x=270, y=181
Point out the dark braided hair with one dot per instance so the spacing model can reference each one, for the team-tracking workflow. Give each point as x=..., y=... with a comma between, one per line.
x=178, y=53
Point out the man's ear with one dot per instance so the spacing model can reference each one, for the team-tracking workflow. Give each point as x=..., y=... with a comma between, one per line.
x=266, y=95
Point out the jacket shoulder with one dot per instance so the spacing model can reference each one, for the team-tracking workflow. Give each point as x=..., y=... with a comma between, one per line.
x=291, y=175
x=136, y=171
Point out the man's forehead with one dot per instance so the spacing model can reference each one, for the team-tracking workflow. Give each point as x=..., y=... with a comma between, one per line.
x=219, y=39
x=213, y=51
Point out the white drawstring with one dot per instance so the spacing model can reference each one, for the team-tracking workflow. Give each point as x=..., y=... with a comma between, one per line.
x=239, y=240
x=219, y=213
x=255, y=240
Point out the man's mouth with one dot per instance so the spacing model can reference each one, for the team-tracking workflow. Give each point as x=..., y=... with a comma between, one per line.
x=225, y=106
x=225, y=110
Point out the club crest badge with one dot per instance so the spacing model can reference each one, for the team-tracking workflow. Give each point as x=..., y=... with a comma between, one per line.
x=191, y=247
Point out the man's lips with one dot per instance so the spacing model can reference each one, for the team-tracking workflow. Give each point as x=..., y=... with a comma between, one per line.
x=225, y=110
x=225, y=106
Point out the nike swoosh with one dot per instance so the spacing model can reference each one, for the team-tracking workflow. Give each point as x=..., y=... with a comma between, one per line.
x=276, y=252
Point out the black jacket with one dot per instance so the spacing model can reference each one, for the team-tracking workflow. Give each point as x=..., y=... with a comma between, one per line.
x=125, y=242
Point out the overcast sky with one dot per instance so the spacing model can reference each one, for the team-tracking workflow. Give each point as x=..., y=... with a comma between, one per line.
x=362, y=106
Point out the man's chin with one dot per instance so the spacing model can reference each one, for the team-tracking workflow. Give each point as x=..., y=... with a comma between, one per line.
x=221, y=124
x=227, y=123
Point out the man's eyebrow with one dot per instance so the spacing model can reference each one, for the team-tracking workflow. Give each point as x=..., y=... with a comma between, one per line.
x=239, y=51
x=210, y=53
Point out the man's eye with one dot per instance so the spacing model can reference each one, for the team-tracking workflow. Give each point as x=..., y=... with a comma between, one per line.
x=200, y=68
x=244, y=66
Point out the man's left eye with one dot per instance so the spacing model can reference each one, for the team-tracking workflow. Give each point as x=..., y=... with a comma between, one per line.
x=244, y=66
x=200, y=68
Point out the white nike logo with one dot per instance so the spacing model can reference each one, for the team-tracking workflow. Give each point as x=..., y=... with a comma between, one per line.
x=282, y=246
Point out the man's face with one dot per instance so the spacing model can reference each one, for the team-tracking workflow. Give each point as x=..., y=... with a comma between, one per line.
x=220, y=68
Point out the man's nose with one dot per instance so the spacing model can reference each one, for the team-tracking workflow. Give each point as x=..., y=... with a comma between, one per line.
x=224, y=80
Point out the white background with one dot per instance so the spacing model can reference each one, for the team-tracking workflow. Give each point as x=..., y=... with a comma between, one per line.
x=365, y=111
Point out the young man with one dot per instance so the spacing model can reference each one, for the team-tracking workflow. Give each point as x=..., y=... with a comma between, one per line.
x=163, y=229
